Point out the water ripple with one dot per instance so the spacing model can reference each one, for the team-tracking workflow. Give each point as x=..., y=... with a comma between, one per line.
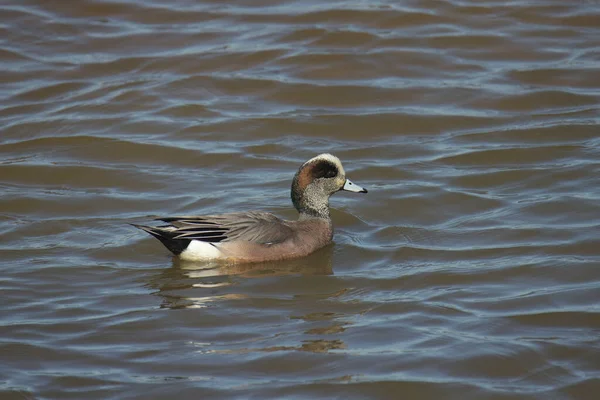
x=468, y=271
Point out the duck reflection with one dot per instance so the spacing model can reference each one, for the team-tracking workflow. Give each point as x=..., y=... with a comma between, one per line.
x=319, y=263
x=206, y=285
x=176, y=284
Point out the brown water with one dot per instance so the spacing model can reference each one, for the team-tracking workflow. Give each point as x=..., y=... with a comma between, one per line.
x=471, y=270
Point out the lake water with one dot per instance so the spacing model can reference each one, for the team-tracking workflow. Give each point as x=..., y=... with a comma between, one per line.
x=471, y=269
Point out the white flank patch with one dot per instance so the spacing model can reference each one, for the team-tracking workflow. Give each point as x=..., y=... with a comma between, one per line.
x=200, y=251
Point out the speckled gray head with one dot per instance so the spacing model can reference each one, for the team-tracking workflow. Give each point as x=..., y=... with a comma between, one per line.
x=315, y=181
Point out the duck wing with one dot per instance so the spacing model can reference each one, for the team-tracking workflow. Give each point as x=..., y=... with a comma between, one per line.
x=255, y=226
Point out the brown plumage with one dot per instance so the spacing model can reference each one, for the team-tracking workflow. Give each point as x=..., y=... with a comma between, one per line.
x=258, y=236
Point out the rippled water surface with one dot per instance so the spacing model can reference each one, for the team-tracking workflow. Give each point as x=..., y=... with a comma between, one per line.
x=471, y=269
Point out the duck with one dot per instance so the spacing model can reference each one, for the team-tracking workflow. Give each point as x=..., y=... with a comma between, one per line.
x=258, y=236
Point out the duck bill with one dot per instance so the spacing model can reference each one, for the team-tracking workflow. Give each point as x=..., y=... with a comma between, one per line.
x=352, y=187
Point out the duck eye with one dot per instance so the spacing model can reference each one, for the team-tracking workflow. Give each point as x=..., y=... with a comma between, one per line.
x=328, y=171
x=324, y=170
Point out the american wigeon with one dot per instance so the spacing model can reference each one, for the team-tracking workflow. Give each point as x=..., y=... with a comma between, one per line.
x=257, y=236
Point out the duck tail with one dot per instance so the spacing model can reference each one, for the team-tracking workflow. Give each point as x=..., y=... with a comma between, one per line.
x=166, y=237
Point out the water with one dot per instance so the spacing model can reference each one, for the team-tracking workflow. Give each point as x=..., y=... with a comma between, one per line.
x=470, y=270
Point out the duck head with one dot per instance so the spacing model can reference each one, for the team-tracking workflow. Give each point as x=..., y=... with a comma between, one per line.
x=316, y=180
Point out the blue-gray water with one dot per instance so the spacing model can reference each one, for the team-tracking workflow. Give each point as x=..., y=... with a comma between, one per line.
x=471, y=269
